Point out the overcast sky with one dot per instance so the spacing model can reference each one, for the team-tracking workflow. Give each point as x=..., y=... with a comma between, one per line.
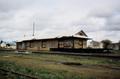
x=100, y=19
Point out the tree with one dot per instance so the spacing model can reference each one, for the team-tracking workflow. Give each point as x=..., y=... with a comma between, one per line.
x=119, y=44
x=8, y=45
x=106, y=43
x=1, y=42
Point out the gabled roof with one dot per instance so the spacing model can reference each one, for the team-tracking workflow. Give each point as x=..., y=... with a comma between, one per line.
x=57, y=38
x=81, y=33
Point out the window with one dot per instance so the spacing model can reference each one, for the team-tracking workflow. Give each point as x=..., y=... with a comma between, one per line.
x=43, y=44
x=31, y=44
x=61, y=44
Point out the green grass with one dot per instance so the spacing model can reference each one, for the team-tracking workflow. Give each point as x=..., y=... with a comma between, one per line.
x=117, y=52
x=77, y=59
x=39, y=73
x=46, y=66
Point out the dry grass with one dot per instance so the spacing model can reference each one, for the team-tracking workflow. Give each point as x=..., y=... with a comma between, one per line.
x=52, y=64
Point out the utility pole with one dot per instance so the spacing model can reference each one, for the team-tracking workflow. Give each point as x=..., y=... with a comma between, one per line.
x=33, y=29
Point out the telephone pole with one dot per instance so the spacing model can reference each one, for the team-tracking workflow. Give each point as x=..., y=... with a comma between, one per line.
x=33, y=29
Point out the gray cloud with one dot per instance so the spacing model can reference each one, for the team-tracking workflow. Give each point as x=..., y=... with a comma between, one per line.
x=12, y=5
x=112, y=22
x=55, y=18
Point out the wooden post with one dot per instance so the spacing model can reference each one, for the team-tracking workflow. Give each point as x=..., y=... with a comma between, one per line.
x=73, y=43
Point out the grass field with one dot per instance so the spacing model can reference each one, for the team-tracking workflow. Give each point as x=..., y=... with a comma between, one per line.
x=45, y=66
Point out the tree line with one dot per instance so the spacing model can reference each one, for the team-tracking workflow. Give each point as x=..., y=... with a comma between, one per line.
x=7, y=44
x=107, y=42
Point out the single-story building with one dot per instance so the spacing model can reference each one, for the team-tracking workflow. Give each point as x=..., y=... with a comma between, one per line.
x=95, y=44
x=114, y=46
x=79, y=40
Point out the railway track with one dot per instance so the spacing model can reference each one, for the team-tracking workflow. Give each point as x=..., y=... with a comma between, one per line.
x=106, y=55
x=25, y=76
